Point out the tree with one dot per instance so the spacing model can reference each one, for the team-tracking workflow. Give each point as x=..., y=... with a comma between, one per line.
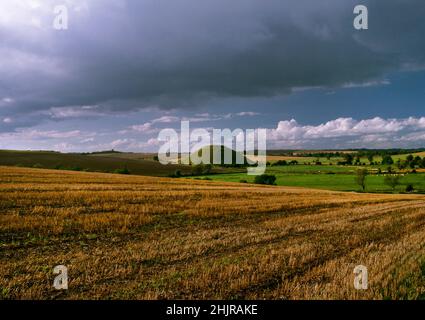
x=409, y=158
x=387, y=159
x=198, y=170
x=280, y=163
x=207, y=168
x=348, y=157
x=370, y=158
x=392, y=181
x=357, y=162
x=361, y=178
x=401, y=164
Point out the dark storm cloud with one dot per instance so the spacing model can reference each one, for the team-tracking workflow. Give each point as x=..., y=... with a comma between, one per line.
x=124, y=55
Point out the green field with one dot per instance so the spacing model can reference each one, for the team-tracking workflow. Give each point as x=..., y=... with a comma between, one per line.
x=307, y=160
x=404, y=156
x=306, y=174
x=338, y=178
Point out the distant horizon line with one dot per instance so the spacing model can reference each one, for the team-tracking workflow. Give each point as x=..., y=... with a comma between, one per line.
x=268, y=150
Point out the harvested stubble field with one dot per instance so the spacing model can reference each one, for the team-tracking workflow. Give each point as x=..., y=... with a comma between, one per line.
x=132, y=237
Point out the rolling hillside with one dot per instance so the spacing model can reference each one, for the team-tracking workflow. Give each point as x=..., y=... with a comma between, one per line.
x=102, y=162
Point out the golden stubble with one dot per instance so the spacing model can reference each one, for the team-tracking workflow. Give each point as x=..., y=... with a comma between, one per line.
x=129, y=237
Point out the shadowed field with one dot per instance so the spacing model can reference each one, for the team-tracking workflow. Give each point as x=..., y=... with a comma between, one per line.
x=132, y=237
x=101, y=162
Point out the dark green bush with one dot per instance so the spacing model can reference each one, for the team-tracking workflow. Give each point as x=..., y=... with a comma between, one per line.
x=410, y=188
x=122, y=171
x=265, y=179
x=280, y=163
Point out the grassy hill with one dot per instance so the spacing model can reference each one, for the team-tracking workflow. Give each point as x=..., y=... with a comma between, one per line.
x=218, y=152
x=106, y=162
x=88, y=162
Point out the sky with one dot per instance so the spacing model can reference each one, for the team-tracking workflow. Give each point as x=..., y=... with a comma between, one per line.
x=125, y=69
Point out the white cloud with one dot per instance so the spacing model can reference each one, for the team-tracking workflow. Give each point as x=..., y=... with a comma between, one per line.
x=87, y=140
x=64, y=147
x=7, y=100
x=338, y=133
x=34, y=139
x=119, y=142
x=384, y=82
x=63, y=113
x=166, y=119
x=33, y=135
x=148, y=127
x=145, y=128
x=49, y=134
x=247, y=114
x=348, y=132
x=201, y=117
x=129, y=145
